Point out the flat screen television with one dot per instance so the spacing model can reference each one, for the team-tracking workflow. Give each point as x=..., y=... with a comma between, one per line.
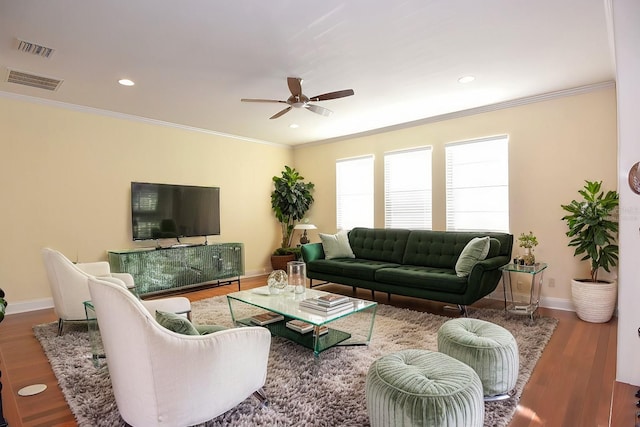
x=165, y=211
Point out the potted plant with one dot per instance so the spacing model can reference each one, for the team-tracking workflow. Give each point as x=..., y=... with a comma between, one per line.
x=290, y=200
x=593, y=230
x=528, y=242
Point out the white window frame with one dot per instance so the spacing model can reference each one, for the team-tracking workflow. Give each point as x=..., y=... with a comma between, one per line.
x=355, y=192
x=408, y=188
x=477, y=184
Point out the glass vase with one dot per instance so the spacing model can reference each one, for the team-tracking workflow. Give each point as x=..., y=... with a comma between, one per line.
x=297, y=272
x=528, y=257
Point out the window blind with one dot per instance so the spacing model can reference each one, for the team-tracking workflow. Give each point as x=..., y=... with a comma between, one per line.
x=408, y=189
x=354, y=193
x=477, y=184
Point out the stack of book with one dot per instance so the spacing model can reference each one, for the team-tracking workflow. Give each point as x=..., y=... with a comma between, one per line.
x=327, y=305
x=266, y=318
x=299, y=326
x=304, y=327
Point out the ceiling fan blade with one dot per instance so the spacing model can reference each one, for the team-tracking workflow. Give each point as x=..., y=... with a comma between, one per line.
x=262, y=100
x=332, y=95
x=319, y=110
x=295, y=85
x=280, y=113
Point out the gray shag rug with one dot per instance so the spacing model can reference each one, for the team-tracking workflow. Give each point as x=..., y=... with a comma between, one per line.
x=301, y=391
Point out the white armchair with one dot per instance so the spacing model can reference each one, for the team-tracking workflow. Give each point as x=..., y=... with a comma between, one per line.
x=160, y=377
x=69, y=287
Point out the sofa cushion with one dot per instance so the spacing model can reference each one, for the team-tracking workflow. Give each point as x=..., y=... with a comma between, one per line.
x=379, y=244
x=355, y=268
x=336, y=245
x=476, y=250
x=442, y=248
x=412, y=276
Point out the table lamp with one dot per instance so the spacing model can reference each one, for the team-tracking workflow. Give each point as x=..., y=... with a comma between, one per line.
x=304, y=239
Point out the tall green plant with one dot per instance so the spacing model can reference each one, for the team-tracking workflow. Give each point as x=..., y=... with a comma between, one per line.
x=593, y=228
x=290, y=200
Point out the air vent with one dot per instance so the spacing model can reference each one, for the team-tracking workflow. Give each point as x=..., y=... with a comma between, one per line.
x=27, y=79
x=34, y=49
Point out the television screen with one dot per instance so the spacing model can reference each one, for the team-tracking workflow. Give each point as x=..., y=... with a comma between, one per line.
x=165, y=211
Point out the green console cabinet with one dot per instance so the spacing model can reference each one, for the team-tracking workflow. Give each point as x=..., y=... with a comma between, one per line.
x=171, y=269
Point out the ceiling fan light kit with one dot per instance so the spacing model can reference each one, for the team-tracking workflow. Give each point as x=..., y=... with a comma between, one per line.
x=300, y=100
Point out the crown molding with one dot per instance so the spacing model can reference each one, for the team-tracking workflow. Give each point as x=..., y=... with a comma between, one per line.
x=454, y=115
x=473, y=111
x=130, y=117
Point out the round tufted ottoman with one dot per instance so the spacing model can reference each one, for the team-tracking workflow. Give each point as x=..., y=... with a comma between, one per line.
x=488, y=348
x=423, y=388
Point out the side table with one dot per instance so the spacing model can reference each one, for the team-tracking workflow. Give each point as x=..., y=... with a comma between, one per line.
x=515, y=301
x=97, y=351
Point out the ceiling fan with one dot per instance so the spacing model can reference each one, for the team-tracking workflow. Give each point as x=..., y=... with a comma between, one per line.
x=300, y=100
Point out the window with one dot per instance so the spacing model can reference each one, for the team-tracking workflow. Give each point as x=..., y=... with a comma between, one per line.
x=477, y=174
x=408, y=189
x=354, y=193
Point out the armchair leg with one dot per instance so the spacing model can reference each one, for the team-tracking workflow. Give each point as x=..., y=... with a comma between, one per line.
x=261, y=396
x=60, y=326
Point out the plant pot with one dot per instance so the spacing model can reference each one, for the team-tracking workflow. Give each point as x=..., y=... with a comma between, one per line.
x=279, y=262
x=594, y=301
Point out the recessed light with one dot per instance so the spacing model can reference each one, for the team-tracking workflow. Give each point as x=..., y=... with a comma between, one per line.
x=466, y=79
x=294, y=126
x=126, y=82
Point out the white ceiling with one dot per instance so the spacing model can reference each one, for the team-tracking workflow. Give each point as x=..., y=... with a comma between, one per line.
x=193, y=61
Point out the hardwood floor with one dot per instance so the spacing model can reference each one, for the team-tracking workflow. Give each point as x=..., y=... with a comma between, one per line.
x=572, y=384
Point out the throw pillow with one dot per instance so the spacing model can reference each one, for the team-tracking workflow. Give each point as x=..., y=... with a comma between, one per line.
x=209, y=329
x=476, y=250
x=176, y=323
x=336, y=245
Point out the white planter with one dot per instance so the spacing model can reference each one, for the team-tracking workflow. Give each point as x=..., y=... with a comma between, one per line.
x=594, y=302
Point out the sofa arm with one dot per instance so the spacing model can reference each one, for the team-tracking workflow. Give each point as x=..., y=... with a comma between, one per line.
x=312, y=252
x=484, y=277
x=493, y=263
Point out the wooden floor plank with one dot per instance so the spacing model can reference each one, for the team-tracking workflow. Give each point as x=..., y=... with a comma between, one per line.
x=572, y=384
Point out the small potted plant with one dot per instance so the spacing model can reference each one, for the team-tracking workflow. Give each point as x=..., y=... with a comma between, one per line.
x=291, y=198
x=528, y=242
x=593, y=229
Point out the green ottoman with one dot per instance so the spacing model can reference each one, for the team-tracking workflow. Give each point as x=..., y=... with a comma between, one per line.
x=488, y=348
x=423, y=388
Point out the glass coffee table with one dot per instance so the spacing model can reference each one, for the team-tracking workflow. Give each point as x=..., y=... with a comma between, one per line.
x=97, y=351
x=351, y=327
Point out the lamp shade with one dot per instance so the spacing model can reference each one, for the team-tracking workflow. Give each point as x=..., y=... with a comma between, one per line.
x=304, y=239
x=305, y=227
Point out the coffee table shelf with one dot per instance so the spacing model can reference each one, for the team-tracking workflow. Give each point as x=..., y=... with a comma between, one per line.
x=326, y=341
x=353, y=327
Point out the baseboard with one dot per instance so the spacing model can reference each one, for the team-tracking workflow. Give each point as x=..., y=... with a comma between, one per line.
x=30, y=305
x=546, y=302
x=556, y=303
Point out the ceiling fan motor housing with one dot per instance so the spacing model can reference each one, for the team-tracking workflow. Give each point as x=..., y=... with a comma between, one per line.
x=300, y=100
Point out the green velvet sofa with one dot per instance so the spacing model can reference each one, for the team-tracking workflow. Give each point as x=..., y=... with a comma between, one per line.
x=415, y=263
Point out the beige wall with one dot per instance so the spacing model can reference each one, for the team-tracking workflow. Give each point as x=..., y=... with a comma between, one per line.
x=66, y=177
x=554, y=146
